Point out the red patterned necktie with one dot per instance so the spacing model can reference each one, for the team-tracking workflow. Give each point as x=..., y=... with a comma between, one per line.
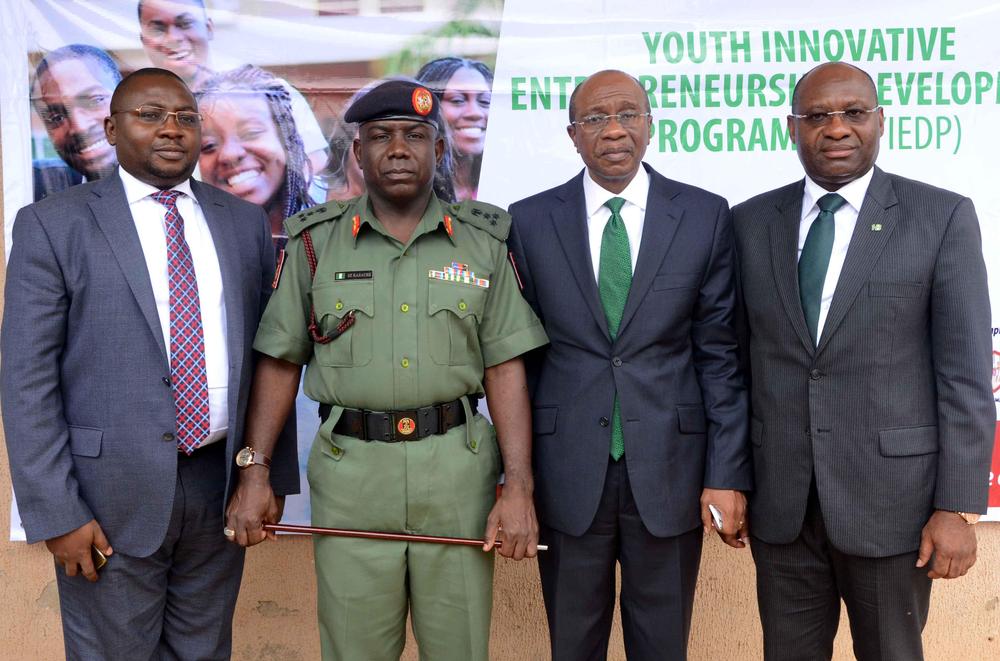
x=187, y=339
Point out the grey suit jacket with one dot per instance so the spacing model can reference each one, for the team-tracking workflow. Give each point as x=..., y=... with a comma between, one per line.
x=674, y=363
x=87, y=403
x=892, y=411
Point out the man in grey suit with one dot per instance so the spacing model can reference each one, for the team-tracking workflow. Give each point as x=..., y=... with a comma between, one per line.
x=639, y=410
x=131, y=306
x=866, y=328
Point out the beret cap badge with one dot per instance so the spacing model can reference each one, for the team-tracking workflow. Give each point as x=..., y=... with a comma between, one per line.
x=423, y=102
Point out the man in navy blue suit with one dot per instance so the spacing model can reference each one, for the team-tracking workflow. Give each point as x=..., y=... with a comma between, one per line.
x=640, y=415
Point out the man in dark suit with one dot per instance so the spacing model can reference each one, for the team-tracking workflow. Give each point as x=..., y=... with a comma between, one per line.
x=638, y=406
x=866, y=328
x=131, y=306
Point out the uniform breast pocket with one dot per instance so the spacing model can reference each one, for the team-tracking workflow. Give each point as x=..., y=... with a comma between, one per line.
x=334, y=304
x=455, y=310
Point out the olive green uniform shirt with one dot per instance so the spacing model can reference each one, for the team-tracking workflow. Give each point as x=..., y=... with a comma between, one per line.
x=429, y=315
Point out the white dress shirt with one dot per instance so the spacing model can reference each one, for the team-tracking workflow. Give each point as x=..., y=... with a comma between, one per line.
x=633, y=214
x=844, y=220
x=148, y=216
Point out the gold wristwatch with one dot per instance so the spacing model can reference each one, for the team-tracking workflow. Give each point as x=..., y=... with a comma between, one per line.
x=970, y=518
x=250, y=457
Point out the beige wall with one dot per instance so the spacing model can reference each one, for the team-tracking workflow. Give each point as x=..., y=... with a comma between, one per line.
x=276, y=613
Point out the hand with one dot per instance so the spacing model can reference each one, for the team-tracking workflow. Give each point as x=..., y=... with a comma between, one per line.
x=733, y=507
x=252, y=505
x=951, y=541
x=515, y=510
x=72, y=550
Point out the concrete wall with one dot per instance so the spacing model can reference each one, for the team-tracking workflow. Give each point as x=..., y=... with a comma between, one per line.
x=276, y=613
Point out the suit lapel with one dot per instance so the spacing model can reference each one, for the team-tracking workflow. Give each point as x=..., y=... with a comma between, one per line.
x=570, y=222
x=113, y=216
x=220, y=224
x=785, y=260
x=866, y=246
x=663, y=216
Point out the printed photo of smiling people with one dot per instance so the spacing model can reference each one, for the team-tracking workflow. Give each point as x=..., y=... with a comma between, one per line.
x=273, y=81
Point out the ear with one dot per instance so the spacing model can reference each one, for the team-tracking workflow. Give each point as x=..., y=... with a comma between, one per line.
x=439, y=149
x=571, y=132
x=790, y=121
x=110, y=130
x=356, y=148
x=881, y=123
x=210, y=28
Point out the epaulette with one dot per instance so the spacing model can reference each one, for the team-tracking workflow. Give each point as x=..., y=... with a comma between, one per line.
x=306, y=218
x=491, y=219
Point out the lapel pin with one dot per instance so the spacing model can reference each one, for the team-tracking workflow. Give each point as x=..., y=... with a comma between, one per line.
x=876, y=227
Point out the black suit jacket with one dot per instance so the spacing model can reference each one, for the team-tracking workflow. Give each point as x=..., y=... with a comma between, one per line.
x=673, y=364
x=893, y=410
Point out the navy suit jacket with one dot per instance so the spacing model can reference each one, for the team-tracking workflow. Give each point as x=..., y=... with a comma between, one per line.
x=674, y=363
x=88, y=410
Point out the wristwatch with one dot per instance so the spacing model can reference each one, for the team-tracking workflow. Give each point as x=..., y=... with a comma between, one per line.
x=250, y=457
x=970, y=518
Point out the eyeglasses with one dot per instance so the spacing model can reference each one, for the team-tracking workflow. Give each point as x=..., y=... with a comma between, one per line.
x=627, y=120
x=155, y=116
x=851, y=116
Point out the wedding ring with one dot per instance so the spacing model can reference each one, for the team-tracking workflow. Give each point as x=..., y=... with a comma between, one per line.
x=228, y=532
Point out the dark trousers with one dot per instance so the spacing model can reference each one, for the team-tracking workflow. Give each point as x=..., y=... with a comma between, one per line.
x=658, y=582
x=175, y=604
x=800, y=585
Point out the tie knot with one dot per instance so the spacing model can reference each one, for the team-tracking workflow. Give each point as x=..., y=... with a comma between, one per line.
x=615, y=204
x=167, y=198
x=830, y=202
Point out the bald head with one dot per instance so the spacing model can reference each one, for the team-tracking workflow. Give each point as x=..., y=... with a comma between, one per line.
x=605, y=77
x=840, y=69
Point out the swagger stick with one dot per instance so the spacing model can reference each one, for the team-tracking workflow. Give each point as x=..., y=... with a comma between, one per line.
x=384, y=536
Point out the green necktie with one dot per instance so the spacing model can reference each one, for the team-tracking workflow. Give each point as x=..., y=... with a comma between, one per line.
x=613, y=282
x=815, y=259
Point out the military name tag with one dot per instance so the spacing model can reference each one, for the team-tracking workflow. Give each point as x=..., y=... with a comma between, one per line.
x=352, y=275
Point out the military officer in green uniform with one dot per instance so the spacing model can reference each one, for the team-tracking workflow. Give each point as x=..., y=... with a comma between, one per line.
x=405, y=311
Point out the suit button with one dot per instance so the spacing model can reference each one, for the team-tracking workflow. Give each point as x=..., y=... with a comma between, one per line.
x=603, y=422
x=168, y=437
x=616, y=361
x=166, y=381
x=815, y=375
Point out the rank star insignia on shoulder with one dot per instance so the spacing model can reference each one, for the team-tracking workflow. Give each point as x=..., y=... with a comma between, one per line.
x=487, y=217
x=306, y=218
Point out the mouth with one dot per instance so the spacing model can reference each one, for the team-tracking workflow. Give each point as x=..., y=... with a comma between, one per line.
x=94, y=148
x=241, y=178
x=471, y=131
x=617, y=155
x=398, y=174
x=179, y=55
x=840, y=151
x=170, y=153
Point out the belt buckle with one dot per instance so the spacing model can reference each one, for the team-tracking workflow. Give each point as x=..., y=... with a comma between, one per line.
x=404, y=425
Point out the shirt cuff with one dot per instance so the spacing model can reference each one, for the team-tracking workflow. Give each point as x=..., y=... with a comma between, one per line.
x=512, y=346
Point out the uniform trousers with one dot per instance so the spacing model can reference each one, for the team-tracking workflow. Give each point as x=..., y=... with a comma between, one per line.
x=440, y=485
x=659, y=575
x=177, y=603
x=800, y=586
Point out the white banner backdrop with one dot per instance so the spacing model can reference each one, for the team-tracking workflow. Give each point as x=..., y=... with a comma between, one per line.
x=719, y=76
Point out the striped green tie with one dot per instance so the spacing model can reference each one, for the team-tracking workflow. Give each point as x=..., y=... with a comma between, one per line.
x=613, y=282
x=815, y=259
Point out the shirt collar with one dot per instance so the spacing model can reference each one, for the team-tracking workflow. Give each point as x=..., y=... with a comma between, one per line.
x=854, y=192
x=136, y=190
x=432, y=219
x=637, y=192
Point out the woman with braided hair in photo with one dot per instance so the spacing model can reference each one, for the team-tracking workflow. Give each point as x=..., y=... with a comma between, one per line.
x=250, y=146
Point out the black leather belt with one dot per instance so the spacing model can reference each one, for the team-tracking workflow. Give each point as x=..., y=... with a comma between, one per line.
x=397, y=426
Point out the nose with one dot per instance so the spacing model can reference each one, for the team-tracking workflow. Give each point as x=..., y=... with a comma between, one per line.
x=398, y=147
x=613, y=129
x=231, y=151
x=81, y=120
x=837, y=126
x=472, y=108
